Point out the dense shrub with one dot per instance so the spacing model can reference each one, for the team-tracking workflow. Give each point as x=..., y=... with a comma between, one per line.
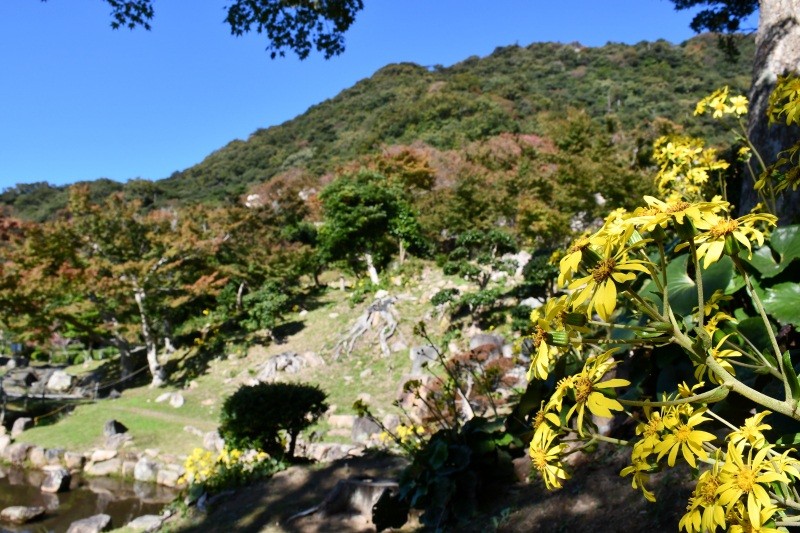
x=262, y=416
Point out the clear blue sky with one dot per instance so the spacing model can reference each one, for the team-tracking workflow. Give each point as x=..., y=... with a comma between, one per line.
x=79, y=101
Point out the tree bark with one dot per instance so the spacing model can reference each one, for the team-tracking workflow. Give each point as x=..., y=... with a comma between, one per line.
x=373, y=273
x=156, y=370
x=777, y=53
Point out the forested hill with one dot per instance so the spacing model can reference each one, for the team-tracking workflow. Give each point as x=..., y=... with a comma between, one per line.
x=624, y=89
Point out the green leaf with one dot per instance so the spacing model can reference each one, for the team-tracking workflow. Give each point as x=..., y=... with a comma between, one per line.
x=683, y=289
x=791, y=376
x=782, y=301
x=785, y=242
x=753, y=329
x=792, y=439
x=438, y=454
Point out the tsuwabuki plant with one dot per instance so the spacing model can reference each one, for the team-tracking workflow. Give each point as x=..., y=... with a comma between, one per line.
x=680, y=291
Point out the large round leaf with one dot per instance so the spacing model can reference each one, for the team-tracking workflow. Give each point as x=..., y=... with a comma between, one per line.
x=782, y=301
x=683, y=289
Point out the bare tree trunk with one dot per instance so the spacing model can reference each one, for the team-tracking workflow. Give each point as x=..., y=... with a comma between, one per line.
x=156, y=370
x=125, y=362
x=373, y=274
x=777, y=53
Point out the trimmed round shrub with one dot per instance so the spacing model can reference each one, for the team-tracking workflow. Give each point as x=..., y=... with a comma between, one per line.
x=262, y=416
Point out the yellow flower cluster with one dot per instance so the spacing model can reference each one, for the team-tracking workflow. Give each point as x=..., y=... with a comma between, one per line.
x=685, y=165
x=584, y=391
x=409, y=436
x=784, y=101
x=721, y=103
x=202, y=466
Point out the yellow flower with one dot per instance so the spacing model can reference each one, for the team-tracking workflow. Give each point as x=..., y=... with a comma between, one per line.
x=718, y=229
x=556, y=399
x=590, y=392
x=599, y=287
x=685, y=438
x=744, y=479
x=721, y=356
x=764, y=518
x=641, y=473
x=570, y=263
x=704, y=510
x=738, y=105
x=546, y=458
x=751, y=432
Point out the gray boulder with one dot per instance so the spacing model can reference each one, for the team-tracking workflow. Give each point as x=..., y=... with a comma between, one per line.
x=20, y=514
x=17, y=453
x=59, y=381
x=496, y=342
x=57, y=479
x=145, y=470
x=364, y=429
x=114, y=427
x=20, y=425
x=93, y=524
x=146, y=523
x=421, y=356
x=109, y=467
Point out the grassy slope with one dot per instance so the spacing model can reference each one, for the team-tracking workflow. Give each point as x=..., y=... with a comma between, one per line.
x=160, y=426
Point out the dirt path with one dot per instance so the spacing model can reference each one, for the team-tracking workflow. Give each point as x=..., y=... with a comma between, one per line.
x=188, y=421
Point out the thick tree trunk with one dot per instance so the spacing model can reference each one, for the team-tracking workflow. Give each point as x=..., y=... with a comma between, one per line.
x=156, y=370
x=777, y=53
x=125, y=360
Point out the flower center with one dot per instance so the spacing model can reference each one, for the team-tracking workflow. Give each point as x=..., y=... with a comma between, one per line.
x=724, y=227
x=538, y=337
x=583, y=387
x=538, y=419
x=539, y=458
x=746, y=479
x=677, y=207
x=603, y=270
x=653, y=427
x=708, y=491
x=683, y=433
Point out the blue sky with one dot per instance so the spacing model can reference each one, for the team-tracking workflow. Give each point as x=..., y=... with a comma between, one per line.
x=79, y=101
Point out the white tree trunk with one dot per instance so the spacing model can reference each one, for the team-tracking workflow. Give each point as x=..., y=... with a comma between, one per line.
x=373, y=274
x=777, y=53
x=156, y=370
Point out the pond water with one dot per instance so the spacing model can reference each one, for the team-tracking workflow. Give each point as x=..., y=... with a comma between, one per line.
x=122, y=500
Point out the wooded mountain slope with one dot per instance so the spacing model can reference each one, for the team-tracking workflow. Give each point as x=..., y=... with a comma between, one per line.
x=624, y=89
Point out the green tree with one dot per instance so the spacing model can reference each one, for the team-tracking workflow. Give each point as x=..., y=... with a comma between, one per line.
x=365, y=220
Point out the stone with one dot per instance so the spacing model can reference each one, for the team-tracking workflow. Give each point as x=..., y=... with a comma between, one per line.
x=176, y=400
x=56, y=480
x=93, y=524
x=364, y=429
x=341, y=421
x=5, y=442
x=147, y=523
x=115, y=442
x=365, y=373
x=422, y=356
x=163, y=397
x=36, y=457
x=74, y=461
x=168, y=478
x=213, y=442
x=111, y=467
x=17, y=453
x=128, y=468
x=20, y=514
x=113, y=394
x=20, y=425
x=53, y=456
x=59, y=381
x=483, y=339
x=114, y=427
x=103, y=455
x=145, y=470
x=193, y=431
